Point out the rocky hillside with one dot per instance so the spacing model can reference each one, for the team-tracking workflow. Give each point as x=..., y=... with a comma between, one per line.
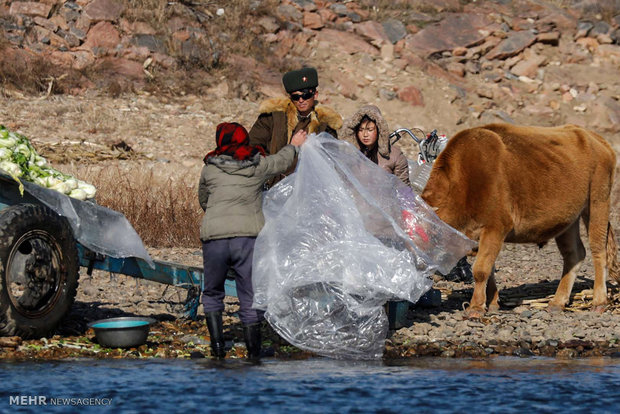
x=444, y=64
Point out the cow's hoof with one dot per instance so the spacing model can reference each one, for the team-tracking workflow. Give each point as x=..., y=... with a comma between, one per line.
x=472, y=312
x=493, y=307
x=554, y=308
x=599, y=309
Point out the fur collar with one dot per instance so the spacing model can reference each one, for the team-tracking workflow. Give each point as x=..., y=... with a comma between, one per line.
x=321, y=114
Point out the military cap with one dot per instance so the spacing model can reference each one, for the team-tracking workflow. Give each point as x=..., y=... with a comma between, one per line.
x=300, y=79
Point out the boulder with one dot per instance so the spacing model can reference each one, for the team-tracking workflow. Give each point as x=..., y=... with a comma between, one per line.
x=456, y=68
x=289, y=13
x=306, y=5
x=394, y=29
x=411, y=95
x=459, y=51
x=128, y=69
x=62, y=59
x=313, y=21
x=136, y=27
x=529, y=66
x=600, y=27
x=458, y=30
x=30, y=8
x=604, y=114
x=387, y=52
x=558, y=18
x=47, y=23
x=151, y=42
x=269, y=23
x=550, y=38
x=104, y=10
x=345, y=85
x=347, y=42
x=82, y=59
x=59, y=22
x=512, y=45
x=327, y=15
x=103, y=35
x=372, y=31
x=583, y=28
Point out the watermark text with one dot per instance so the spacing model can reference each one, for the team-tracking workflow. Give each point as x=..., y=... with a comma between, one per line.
x=45, y=400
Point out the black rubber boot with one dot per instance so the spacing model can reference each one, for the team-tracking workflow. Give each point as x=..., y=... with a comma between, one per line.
x=253, y=341
x=216, y=332
x=461, y=272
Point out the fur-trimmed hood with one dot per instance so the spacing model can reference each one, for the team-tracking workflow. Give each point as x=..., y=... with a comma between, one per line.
x=321, y=114
x=347, y=132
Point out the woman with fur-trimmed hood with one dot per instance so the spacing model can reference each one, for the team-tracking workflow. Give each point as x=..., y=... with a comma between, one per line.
x=368, y=131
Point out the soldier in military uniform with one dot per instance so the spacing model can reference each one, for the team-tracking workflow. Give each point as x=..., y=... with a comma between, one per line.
x=299, y=113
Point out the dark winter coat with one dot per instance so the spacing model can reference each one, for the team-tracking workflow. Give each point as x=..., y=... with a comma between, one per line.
x=278, y=122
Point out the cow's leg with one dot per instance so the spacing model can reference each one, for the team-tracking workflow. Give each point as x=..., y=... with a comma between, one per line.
x=489, y=247
x=572, y=250
x=597, y=235
x=492, y=292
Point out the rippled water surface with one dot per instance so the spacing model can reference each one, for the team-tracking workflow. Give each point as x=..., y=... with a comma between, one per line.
x=502, y=385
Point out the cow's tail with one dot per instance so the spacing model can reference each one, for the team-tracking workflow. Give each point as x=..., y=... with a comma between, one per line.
x=612, y=255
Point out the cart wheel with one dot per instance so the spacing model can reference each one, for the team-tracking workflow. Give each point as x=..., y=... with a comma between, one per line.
x=38, y=270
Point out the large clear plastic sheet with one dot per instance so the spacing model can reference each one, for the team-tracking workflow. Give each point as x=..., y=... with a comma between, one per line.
x=341, y=238
x=97, y=228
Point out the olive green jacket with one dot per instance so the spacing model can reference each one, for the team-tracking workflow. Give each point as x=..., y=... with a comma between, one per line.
x=230, y=193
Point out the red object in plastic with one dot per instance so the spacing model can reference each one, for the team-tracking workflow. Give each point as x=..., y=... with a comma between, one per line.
x=413, y=227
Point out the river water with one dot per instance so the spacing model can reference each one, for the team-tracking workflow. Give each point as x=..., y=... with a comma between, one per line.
x=317, y=385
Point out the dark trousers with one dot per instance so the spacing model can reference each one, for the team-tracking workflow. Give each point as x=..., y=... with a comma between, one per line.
x=218, y=255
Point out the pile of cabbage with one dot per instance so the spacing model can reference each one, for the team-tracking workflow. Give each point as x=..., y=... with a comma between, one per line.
x=19, y=159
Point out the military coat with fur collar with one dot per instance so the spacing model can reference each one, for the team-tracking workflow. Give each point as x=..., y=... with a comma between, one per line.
x=278, y=121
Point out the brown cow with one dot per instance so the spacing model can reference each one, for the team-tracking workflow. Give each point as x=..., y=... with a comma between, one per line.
x=504, y=183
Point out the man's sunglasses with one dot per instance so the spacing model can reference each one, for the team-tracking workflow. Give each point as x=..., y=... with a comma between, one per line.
x=305, y=96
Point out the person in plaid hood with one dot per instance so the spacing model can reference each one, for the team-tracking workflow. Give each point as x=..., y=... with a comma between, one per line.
x=230, y=193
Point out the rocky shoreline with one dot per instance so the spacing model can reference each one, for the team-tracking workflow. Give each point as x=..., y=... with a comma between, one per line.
x=523, y=327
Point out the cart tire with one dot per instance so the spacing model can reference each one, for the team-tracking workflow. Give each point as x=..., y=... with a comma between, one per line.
x=39, y=270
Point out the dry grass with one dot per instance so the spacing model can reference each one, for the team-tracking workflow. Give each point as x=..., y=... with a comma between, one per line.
x=165, y=212
x=28, y=73
x=34, y=74
x=200, y=59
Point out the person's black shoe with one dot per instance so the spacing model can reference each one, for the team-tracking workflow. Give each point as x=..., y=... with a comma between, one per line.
x=216, y=332
x=253, y=340
x=461, y=272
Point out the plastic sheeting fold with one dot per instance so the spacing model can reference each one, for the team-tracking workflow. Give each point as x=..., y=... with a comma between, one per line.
x=97, y=228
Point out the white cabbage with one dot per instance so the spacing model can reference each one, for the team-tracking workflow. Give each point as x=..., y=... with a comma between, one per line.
x=78, y=193
x=5, y=153
x=19, y=159
x=11, y=168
